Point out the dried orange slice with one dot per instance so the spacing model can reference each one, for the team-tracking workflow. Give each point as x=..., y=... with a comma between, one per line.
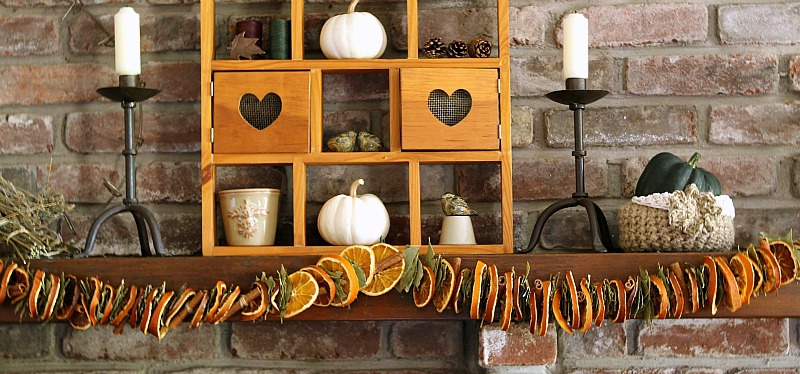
x=258, y=307
x=462, y=289
x=347, y=278
x=711, y=286
x=631, y=289
x=389, y=268
x=424, y=293
x=533, y=301
x=557, y=314
x=599, y=304
x=573, y=298
x=692, y=292
x=787, y=260
x=659, y=296
x=491, y=295
x=772, y=269
x=732, y=298
x=518, y=303
x=477, y=288
x=507, y=286
x=364, y=258
x=758, y=274
x=544, y=311
x=156, y=326
x=304, y=292
x=327, y=288
x=743, y=271
x=585, y=304
x=71, y=297
x=677, y=300
x=443, y=293
x=616, y=307
x=675, y=268
x=33, y=294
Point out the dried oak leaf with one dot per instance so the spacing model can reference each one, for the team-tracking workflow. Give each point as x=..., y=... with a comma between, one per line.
x=242, y=47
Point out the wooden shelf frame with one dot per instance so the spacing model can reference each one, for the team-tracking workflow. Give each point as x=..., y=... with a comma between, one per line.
x=204, y=272
x=412, y=160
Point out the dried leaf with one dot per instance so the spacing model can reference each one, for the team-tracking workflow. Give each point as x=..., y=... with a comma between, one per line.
x=242, y=47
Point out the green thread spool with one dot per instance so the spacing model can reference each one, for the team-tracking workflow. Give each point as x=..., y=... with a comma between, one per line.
x=280, y=39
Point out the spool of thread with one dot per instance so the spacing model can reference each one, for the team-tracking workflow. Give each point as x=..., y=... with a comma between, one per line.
x=251, y=29
x=280, y=39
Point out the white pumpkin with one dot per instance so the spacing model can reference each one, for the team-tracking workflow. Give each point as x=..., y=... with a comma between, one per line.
x=353, y=35
x=353, y=219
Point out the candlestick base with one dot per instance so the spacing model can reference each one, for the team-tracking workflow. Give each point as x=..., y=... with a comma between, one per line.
x=577, y=97
x=128, y=94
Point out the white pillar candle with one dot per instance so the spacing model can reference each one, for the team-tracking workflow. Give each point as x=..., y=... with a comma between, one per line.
x=576, y=46
x=127, y=54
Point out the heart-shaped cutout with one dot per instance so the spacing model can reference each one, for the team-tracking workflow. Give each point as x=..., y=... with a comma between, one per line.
x=451, y=109
x=260, y=113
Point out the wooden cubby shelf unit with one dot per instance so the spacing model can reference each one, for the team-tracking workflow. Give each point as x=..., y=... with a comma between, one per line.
x=397, y=153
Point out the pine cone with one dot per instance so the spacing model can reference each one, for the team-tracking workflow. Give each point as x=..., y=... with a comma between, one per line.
x=456, y=49
x=434, y=48
x=479, y=48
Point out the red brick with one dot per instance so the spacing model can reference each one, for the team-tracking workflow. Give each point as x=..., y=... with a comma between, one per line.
x=569, y=228
x=26, y=134
x=794, y=72
x=522, y=123
x=536, y=179
x=80, y=183
x=796, y=177
x=355, y=87
x=478, y=182
x=739, y=175
x=26, y=35
x=335, y=123
x=645, y=24
x=103, y=132
x=749, y=222
x=159, y=33
x=235, y=370
x=527, y=26
x=759, y=24
x=300, y=340
x=538, y=75
x=624, y=126
x=448, y=24
x=742, y=175
x=387, y=182
x=746, y=74
x=251, y=176
x=25, y=341
x=516, y=347
x=177, y=182
x=22, y=176
x=597, y=371
x=766, y=124
x=52, y=84
x=51, y=3
x=418, y=339
x=768, y=371
x=178, y=81
x=608, y=340
x=435, y=180
x=100, y=343
x=729, y=337
x=181, y=233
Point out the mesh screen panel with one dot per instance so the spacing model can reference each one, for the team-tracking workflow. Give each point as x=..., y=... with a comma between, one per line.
x=260, y=114
x=450, y=109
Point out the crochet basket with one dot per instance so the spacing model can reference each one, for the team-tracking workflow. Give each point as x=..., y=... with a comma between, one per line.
x=643, y=228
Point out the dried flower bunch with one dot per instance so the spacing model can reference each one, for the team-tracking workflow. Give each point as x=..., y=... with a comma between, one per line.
x=28, y=221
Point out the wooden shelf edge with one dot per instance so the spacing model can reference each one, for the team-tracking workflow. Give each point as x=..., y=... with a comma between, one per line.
x=204, y=272
x=357, y=158
x=353, y=66
x=489, y=249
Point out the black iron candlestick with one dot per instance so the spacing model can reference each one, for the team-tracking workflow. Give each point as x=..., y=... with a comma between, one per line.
x=576, y=96
x=129, y=93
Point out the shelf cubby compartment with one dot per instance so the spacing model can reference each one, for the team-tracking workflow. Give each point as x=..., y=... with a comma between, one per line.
x=262, y=112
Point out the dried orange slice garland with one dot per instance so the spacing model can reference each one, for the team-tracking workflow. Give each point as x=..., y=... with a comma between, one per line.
x=336, y=280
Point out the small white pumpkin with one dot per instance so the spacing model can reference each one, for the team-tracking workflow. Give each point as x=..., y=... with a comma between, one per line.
x=353, y=219
x=353, y=35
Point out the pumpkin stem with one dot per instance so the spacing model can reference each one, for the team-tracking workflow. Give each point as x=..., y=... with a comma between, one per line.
x=694, y=160
x=354, y=187
x=352, y=7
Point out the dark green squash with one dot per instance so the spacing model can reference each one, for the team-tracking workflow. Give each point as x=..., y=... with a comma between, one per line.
x=666, y=172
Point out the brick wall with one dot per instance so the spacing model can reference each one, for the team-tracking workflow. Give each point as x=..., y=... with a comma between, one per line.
x=717, y=76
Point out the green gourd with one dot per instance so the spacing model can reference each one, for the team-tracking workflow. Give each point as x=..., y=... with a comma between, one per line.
x=666, y=172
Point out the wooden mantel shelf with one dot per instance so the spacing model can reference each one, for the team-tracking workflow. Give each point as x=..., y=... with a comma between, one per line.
x=204, y=272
